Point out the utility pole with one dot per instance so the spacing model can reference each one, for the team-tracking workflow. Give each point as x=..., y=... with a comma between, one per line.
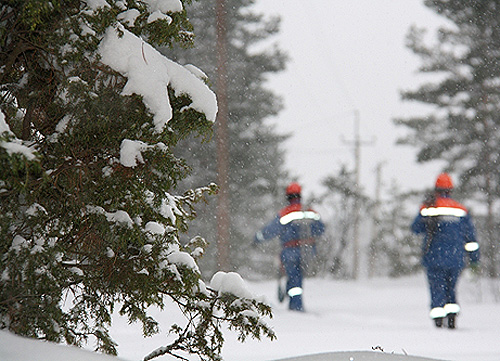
x=376, y=221
x=357, y=189
x=222, y=140
x=357, y=165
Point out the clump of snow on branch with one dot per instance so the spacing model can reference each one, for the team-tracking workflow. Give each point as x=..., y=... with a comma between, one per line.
x=180, y=258
x=14, y=145
x=131, y=151
x=96, y=4
x=18, y=243
x=169, y=208
x=158, y=15
x=165, y=6
x=3, y=125
x=149, y=74
x=119, y=217
x=128, y=17
x=230, y=282
x=35, y=209
x=155, y=228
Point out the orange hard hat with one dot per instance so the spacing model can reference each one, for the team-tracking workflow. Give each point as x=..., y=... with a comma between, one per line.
x=444, y=181
x=293, y=188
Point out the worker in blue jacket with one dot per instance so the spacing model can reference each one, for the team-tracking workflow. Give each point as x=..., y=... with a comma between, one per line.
x=449, y=237
x=297, y=229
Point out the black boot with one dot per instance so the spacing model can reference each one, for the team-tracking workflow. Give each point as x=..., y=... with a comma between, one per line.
x=438, y=321
x=452, y=320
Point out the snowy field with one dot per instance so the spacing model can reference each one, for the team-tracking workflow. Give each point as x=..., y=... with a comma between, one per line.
x=367, y=320
x=386, y=314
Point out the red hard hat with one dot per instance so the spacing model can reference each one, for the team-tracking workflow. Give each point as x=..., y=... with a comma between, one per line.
x=443, y=181
x=293, y=188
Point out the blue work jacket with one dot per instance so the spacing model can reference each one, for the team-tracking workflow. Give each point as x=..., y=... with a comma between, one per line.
x=449, y=234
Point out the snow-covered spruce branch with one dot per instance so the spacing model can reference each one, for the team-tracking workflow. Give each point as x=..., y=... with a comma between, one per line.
x=192, y=196
x=226, y=302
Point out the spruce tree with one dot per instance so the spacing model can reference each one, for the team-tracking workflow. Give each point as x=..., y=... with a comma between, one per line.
x=89, y=223
x=462, y=127
x=256, y=169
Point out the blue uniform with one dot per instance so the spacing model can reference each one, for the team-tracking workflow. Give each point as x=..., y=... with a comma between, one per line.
x=449, y=236
x=295, y=228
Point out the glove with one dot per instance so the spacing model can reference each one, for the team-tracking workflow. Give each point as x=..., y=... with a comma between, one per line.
x=258, y=238
x=255, y=242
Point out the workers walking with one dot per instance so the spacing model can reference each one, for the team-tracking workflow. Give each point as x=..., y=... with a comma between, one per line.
x=448, y=237
x=297, y=228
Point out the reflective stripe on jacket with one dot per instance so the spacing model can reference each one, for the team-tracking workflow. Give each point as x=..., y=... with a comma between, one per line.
x=287, y=227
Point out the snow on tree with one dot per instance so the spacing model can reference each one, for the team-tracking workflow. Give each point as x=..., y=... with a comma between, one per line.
x=89, y=113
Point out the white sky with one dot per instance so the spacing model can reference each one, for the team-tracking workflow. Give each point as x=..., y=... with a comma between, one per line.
x=348, y=56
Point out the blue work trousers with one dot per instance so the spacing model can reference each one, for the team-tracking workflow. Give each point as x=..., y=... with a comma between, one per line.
x=442, y=284
x=291, y=259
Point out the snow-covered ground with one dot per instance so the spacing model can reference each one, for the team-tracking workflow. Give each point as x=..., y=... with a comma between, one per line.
x=381, y=314
x=15, y=348
x=366, y=320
